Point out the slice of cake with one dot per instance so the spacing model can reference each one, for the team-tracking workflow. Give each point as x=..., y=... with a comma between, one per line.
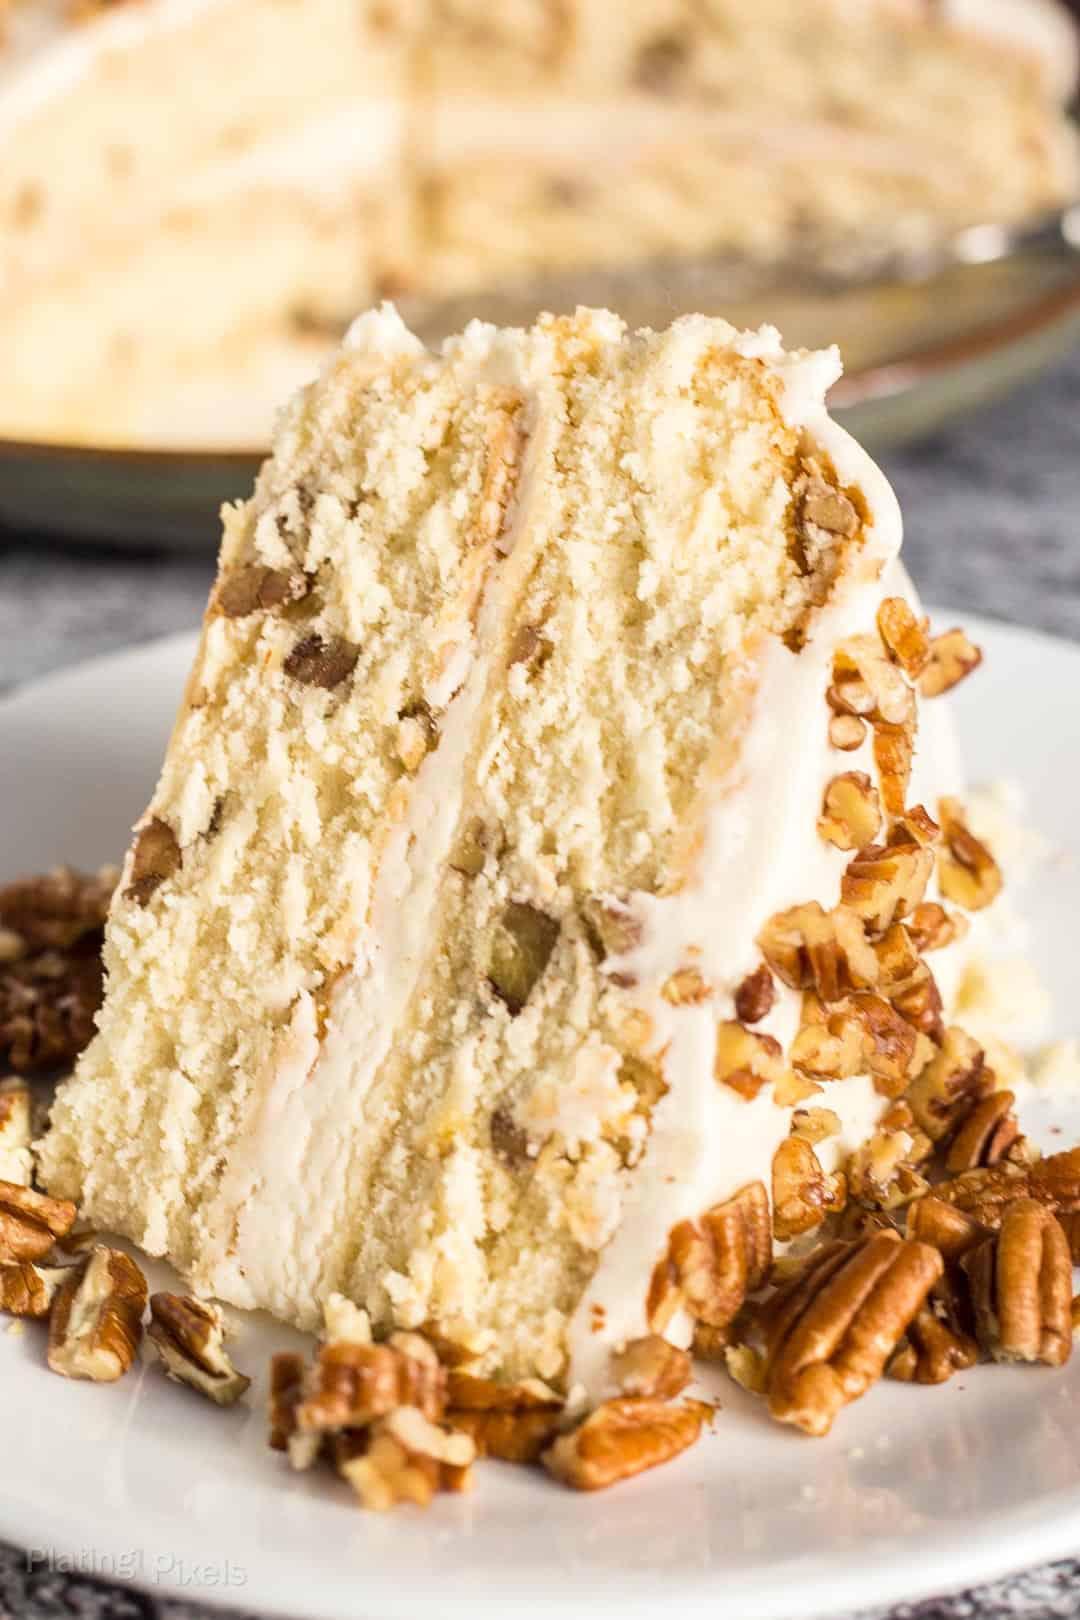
x=193, y=191
x=537, y=860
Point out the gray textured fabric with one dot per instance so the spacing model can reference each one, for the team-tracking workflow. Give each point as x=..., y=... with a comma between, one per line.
x=993, y=525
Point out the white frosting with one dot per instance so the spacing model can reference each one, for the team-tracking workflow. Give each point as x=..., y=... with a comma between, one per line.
x=1041, y=27
x=761, y=853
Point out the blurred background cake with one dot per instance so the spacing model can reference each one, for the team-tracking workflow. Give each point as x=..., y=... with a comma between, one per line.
x=197, y=195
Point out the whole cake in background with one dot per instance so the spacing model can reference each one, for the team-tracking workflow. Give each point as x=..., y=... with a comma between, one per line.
x=554, y=868
x=192, y=191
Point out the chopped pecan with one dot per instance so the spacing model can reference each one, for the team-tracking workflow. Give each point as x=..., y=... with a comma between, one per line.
x=898, y=960
x=96, y=1320
x=832, y=1046
x=894, y=752
x=821, y=504
x=831, y=1330
x=408, y=1458
x=863, y=661
x=286, y=1393
x=932, y=928
x=16, y=1162
x=915, y=826
x=815, y=1124
x=521, y=948
x=189, y=1336
x=652, y=1368
x=851, y=815
x=883, y=885
x=904, y=635
x=713, y=1264
x=950, y=1085
x=322, y=663
x=510, y=1421
x=744, y=1059
x=350, y=1385
x=1070, y=1225
x=847, y=732
x=919, y=1003
x=685, y=988
x=755, y=996
x=802, y=1194
x=256, y=588
x=27, y=1289
x=968, y=873
x=1021, y=1287
x=986, y=1135
x=511, y=1435
x=892, y=1044
x=827, y=950
x=880, y=1172
x=952, y=657
x=155, y=858
x=746, y=1366
x=622, y=1438
x=31, y=1222
x=933, y=1349
x=465, y=1390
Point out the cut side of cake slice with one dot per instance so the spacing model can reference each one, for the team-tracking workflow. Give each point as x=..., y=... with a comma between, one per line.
x=537, y=854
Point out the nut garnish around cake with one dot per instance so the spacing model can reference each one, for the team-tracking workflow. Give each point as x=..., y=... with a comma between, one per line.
x=27, y=1289
x=512, y=1422
x=1021, y=1287
x=832, y=1328
x=713, y=1264
x=621, y=1438
x=952, y=657
x=31, y=1222
x=988, y=1133
x=189, y=1336
x=96, y=1320
x=967, y=871
x=408, y=1458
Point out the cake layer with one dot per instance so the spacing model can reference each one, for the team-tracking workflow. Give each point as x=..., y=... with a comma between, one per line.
x=507, y=737
x=500, y=143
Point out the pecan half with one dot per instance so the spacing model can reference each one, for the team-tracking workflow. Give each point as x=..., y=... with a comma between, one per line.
x=948, y=1229
x=713, y=1264
x=96, y=1320
x=952, y=657
x=968, y=873
x=986, y=1135
x=189, y=1336
x=1021, y=1287
x=622, y=1438
x=31, y=1222
x=27, y=1289
x=832, y=1329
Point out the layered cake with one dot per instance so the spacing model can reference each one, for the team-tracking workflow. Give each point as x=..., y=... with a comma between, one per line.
x=193, y=191
x=556, y=878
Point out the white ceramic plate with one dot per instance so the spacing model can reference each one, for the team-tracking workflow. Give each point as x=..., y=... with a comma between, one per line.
x=916, y=1491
